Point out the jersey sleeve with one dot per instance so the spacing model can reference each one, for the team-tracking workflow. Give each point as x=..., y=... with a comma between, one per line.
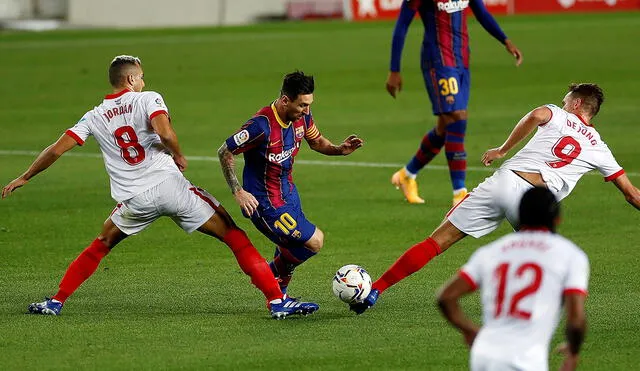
x=472, y=271
x=555, y=111
x=405, y=17
x=486, y=20
x=577, y=278
x=250, y=135
x=311, y=131
x=154, y=105
x=608, y=166
x=81, y=130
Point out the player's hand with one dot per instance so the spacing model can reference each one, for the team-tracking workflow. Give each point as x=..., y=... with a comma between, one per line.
x=513, y=50
x=394, y=83
x=491, y=155
x=15, y=184
x=181, y=162
x=350, y=144
x=248, y=203
x=570, y=361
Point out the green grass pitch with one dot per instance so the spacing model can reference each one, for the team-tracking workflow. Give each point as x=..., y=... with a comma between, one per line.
x=164, y=300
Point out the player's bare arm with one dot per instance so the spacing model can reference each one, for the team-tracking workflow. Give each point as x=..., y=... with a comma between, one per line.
x=245, y=200
x=45, y=159
x=631, y=193
x=575, y=331
x=523, y=128
x=448, y=303
x=324, y=145
x=162, y=126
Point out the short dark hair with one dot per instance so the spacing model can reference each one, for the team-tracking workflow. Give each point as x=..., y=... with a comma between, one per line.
x=539, y=208
x=118, y=67
x=591, y=94
x=297, y=83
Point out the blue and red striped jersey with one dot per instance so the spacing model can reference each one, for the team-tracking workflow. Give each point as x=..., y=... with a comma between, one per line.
x=269, y=146
x=446, y=38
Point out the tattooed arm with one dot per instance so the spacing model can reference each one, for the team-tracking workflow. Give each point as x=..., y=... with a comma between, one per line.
x=246, y=200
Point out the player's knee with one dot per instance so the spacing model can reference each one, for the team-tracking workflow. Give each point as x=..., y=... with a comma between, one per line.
x=458, y=115
x=448, y=118
x=316, y=241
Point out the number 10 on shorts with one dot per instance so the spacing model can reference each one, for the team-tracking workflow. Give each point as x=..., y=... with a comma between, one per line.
x=285, y=223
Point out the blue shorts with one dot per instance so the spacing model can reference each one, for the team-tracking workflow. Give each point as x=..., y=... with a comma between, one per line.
x=448, y=88
x=286, y=226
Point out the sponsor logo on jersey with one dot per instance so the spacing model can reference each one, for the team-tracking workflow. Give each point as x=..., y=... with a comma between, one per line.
x=453, y=6
x=282, y=156
x=159, y=102
x=241, y=137
x=299, y=132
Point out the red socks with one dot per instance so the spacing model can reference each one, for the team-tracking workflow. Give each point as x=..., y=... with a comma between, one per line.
x=253, y=264
x=82, y=268
x=410, y=262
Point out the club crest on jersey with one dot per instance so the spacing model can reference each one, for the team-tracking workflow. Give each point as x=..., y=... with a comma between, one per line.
x=299, y=132
x=450, y=99
x=453, y=6
x=241, y=137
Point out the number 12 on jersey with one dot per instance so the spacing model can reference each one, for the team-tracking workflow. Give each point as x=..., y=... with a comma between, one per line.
x=502, y=275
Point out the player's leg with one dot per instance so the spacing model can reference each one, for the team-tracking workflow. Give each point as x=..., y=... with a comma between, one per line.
x=300, y=240
x=81, y=269
x=456, y=127
x=221, y=226
x=419, y=255
x=193, y=208
x=414, y=259
x=442, y=99
x=477, y=214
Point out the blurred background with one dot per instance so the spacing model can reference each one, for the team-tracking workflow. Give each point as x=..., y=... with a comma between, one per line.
x=49, y=14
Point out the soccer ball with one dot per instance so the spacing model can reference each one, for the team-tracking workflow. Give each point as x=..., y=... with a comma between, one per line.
x=351, y=284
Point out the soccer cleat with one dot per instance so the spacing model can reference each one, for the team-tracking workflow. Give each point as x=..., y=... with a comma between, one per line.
x=367, y=303
x=408, y=185
x=50, y=307
x=459, y=195
x=289, y=306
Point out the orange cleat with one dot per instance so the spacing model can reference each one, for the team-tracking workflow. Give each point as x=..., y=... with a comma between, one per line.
x=459, y=195
x=408, y=185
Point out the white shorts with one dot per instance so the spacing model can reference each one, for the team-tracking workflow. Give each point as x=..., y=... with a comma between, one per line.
x=495, y=199
x=480, y=363
x=188, y=206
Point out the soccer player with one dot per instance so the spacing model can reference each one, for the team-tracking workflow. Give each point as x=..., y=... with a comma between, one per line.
x=445, y=69
x=144, y=162
x=524, y=278
x=565, y=147
x=269, y=141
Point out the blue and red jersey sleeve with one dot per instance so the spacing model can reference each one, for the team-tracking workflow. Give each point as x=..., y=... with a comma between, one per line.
x=486, y=20
x=407, y=13
x=311, y=131
x=250, y=135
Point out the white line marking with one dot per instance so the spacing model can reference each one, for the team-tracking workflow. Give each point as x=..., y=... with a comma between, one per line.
x=301, y=162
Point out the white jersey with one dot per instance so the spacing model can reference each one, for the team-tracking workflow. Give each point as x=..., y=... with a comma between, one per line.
x=133, y=154
x=522, y=278
x=562, y=151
